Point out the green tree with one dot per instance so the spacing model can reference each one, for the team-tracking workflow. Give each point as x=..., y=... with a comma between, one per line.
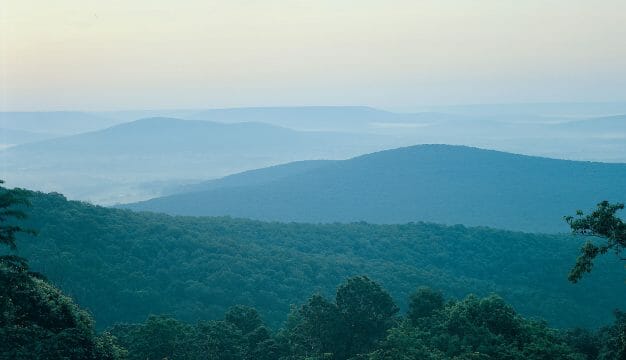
x=367, y=312
x=404, y=342
x=257, y=342
x=320, y=329
x=475, y=329
x=475, y=325
x=613, y=339
x=160, y=337
x=423, y=303
x=245, y=318
x=11, y=203
x=584, y=341
x=602, y=223
x=218, y=340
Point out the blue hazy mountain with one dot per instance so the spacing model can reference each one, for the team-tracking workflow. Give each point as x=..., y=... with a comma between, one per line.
x=254, y=177
x=335, y=118
x=9, y=137
x=25, y=127
x=540, y=111
x=608, y=124
x=153, y=157
x=55, y=122
x=434, y=183
x=109, y=165
x=548, y=130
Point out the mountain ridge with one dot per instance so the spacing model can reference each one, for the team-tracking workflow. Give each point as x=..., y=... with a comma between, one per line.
x=434, y=183
x=111, y=165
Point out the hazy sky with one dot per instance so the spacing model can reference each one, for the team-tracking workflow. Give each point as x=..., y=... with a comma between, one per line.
x=120, y=54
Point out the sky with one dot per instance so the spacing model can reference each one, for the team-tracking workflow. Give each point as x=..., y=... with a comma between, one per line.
x=393, y=54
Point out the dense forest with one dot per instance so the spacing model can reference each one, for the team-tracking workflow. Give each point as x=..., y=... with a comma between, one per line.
x=125, y=281
x=123, y=266
x=361, y=322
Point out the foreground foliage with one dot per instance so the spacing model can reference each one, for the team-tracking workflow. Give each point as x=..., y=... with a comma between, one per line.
x=36, y=320
x=362, y=323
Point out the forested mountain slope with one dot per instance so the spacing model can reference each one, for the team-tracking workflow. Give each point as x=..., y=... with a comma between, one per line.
x=434, y=183
x=123, y=266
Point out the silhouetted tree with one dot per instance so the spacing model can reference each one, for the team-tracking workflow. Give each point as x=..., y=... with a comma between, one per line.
x=10, y=202
x=601, y=223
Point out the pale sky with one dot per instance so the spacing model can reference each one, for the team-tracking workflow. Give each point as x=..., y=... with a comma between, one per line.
x=140, y=54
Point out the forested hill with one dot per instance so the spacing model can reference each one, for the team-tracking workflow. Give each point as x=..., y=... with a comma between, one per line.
x=123, y=266
x=434, y=183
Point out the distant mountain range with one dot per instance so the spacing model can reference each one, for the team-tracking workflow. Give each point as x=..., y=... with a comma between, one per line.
x=325, y=118
x=110, y=157
x=26, y=127
x=433, y=183
x=108, y=165
x=55, y=122
x=609, y=124
x=10, y=137
x=166, y=135
x=576, y=133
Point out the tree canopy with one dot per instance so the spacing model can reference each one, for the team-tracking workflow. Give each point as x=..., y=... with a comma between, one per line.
x=363, y=321
x=472, y=328
x=124, y=266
